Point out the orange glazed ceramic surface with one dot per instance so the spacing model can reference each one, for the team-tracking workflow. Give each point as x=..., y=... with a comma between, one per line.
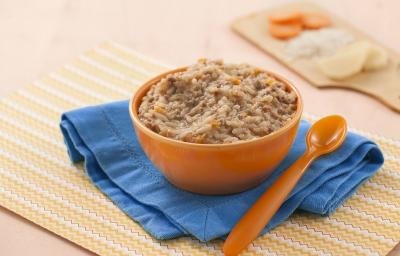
x=215, y=168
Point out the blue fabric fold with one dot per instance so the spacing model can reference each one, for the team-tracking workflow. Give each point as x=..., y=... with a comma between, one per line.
x=104, y=138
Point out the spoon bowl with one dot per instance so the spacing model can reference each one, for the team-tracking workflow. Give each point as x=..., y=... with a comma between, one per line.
x=326, y=135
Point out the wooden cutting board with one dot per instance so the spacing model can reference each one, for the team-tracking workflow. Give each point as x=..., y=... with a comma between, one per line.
x=383, y=84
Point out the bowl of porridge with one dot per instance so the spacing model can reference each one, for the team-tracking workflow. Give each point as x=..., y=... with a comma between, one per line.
x=216, y=128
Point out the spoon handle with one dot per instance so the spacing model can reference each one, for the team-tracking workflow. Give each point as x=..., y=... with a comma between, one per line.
x=259, y=215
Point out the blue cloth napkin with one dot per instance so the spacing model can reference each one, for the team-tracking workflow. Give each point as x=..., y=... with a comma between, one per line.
x=103, y=136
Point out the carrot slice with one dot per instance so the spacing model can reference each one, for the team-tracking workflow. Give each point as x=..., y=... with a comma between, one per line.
x=284, y=17
x=284, y=31
x=315, y=20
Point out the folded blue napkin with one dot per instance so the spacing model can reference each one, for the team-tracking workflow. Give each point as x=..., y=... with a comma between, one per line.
x=103, y=136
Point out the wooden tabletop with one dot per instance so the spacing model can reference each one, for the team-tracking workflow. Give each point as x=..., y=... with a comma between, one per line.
x=40, y=36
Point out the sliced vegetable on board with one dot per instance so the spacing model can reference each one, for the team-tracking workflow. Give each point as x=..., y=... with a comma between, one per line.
x=312, y=20
x=284, y=31
x=347, y=62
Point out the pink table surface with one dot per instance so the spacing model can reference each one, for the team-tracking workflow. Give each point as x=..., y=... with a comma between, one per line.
x=39, y=36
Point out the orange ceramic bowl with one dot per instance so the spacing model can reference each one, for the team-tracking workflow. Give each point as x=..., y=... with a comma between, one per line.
x=215, y=168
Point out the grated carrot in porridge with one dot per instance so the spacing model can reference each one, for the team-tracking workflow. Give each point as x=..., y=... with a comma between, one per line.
x=212, y=102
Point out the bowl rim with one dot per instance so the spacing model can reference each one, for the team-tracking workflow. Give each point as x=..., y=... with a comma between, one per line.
x=136, y=98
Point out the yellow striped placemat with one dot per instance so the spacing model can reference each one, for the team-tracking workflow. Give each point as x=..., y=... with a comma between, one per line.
x=38, y=181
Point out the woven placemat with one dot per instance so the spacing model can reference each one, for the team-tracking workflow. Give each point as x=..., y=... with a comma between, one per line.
x=38, y=182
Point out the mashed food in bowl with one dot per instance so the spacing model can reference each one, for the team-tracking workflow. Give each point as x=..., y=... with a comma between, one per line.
x=213, y=103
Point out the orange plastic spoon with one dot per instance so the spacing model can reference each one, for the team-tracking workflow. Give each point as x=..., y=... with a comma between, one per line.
x=324, y=136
